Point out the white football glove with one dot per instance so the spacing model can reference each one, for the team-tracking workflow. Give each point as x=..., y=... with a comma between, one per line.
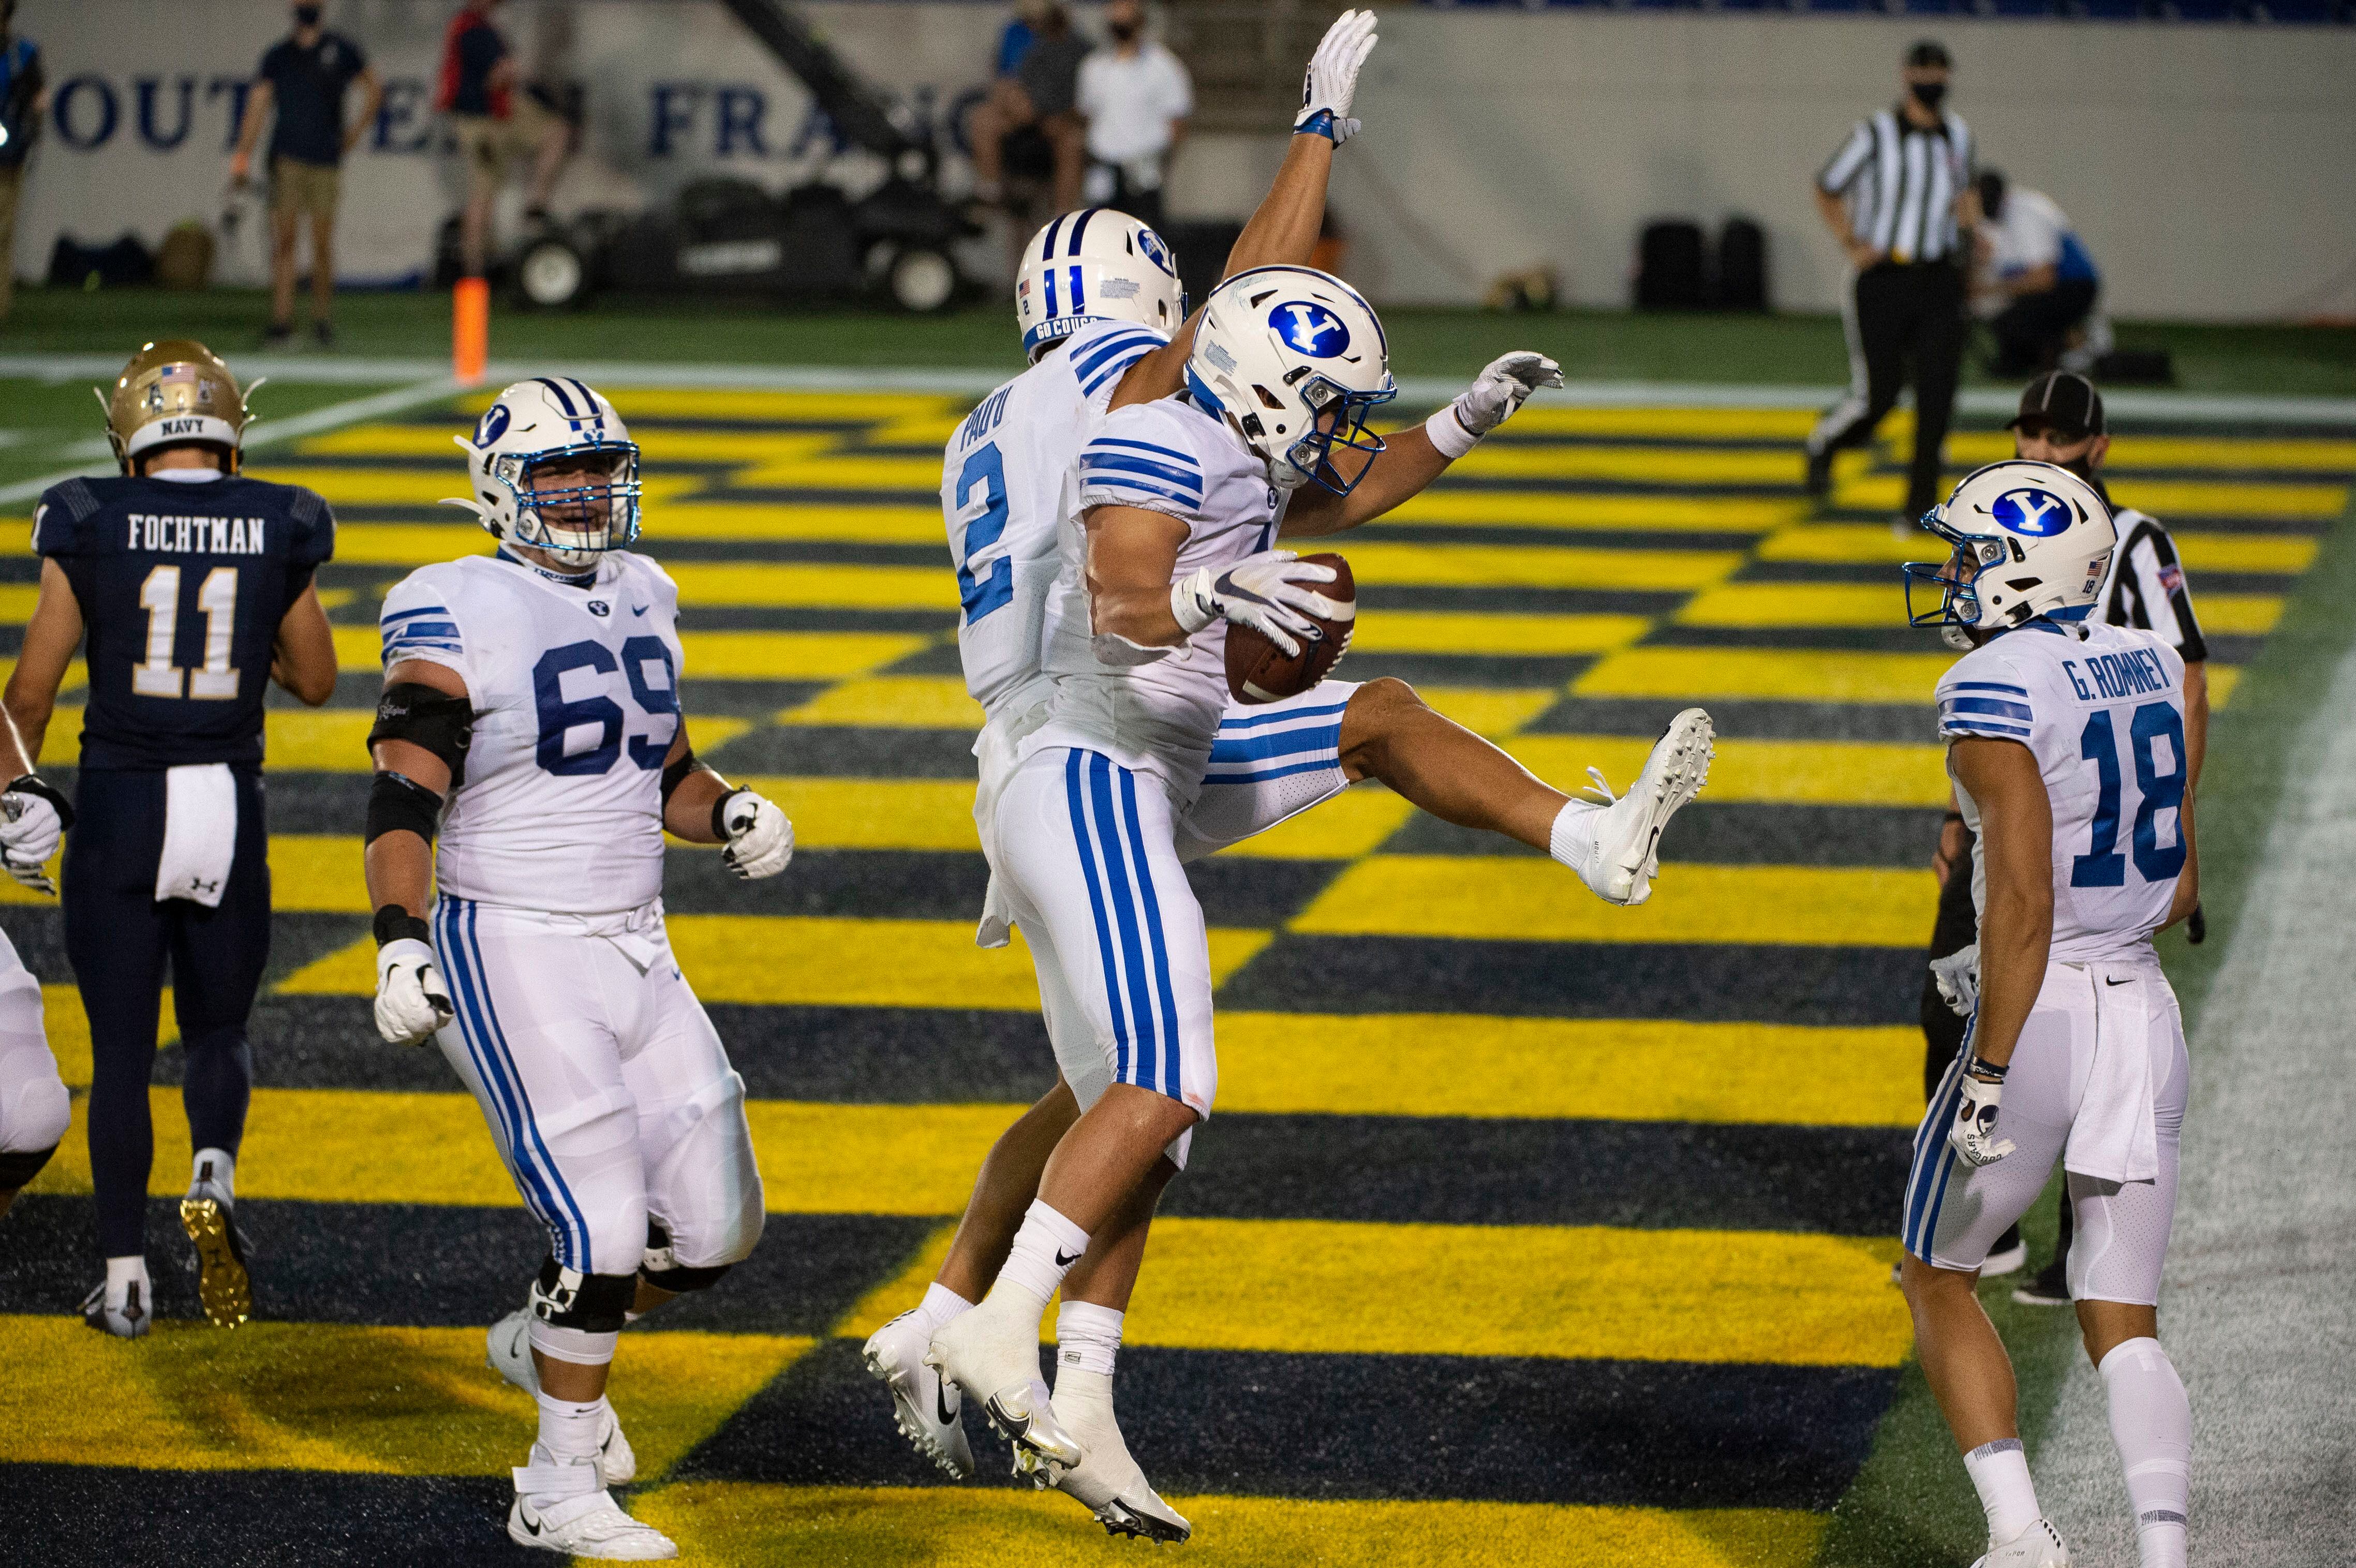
x=1331, y=80
x=1503, y=388
x=760, y=839
x=1972, y=1134
x=412, y=1002
x=29, y=830
x=1957, y=976
x=1271, y=593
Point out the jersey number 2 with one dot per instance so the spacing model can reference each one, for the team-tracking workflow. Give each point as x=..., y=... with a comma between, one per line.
x=2103, y=865
x=994, y=587
x=159, y=595
x=558, y=718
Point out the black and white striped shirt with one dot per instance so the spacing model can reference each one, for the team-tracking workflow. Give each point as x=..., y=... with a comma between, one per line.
x=2146, y=587
x=1900, y=182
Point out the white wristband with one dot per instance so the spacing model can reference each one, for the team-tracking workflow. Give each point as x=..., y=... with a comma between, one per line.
x=1448, y=436
x=1186, y=601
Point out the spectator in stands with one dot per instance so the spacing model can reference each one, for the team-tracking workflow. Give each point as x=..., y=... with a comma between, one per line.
x=304, y=78
x=1135, y=97
x=1027, y=126
x=24, y=102
x=493, y=120
x=2035, y=271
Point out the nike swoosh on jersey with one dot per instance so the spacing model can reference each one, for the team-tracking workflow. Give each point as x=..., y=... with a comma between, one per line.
x=638, y=609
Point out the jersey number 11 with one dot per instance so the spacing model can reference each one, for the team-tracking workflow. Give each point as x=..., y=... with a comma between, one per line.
x=159, y=595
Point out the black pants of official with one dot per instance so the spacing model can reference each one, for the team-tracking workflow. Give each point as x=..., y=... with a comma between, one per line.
x=1957, y=928
x=119, y=939
x=1905, y=319
x=1140, y=203
x=2032, y=332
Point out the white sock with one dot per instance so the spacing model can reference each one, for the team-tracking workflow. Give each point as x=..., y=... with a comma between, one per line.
x=2151, y=1423
x=1999, y=1473
x=1572, y=842
x=568, y=1428
x=1087, y=1337
x=121, y=1273
x=1044, y=1250
x=223, y=1174
x=940, y=1304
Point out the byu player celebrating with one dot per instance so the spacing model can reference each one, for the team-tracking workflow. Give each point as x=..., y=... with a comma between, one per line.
x=1174, y=502
x=536, y=691
x=2066, y=741
x=35, y=1109
x=1004, y=493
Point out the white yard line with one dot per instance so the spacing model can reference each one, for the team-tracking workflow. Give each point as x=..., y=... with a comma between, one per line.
x=2190, y=408
x=2259, y=1310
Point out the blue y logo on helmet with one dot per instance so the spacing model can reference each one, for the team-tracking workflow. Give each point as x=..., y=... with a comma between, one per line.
x=491, y=426
x=2040, y=514
x=1312, y=328
x=1155, y=251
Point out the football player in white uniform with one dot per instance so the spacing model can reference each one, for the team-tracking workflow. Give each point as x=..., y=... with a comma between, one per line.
x=1092, y=799
x=35, y=1109
x=534, y=692
x=1096, y=302
x=2067, y=745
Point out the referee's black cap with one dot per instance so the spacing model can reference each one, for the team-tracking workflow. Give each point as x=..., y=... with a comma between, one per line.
x=2061, y=401
x=1929, y=52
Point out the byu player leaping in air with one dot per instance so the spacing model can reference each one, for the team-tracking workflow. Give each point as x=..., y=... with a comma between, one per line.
x=1096, y=301
x=1119, y=770
x=536, y=691
x=2067, y=745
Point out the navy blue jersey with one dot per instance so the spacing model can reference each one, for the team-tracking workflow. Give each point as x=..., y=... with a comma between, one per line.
x=182, y=587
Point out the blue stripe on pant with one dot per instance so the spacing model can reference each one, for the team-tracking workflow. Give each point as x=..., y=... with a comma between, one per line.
x=537, y=1178
x=1934, y=1162
x=1131, y=945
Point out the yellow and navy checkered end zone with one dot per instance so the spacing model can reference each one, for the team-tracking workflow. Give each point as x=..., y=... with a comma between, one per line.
x=1528, y=1231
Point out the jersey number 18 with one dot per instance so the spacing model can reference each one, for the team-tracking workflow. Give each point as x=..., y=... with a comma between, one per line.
x=2102, y=864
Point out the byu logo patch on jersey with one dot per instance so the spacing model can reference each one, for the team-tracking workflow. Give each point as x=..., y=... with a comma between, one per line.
x=600, y=609
x=2040, y=514
x=1312, y=328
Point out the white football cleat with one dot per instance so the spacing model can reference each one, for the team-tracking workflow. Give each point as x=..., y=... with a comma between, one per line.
x=564, y=1507
x=2038, y=1546
x=1108, y=1481
x=993, y=1355
x=124, y=1308
x=507, y=1350
x=926, y=1407
x=1628, y=830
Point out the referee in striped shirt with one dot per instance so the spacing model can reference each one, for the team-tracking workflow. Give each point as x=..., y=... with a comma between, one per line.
x=1898, y=196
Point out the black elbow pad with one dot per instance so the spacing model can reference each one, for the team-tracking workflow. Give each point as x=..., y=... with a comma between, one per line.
x=442, y=724
x=398, y=803
x=676, y=775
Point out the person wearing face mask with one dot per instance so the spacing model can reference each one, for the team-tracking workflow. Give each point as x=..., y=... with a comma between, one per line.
x=304, y=78
x=1135, y=96
x=1898, y=196
x=2061, y=420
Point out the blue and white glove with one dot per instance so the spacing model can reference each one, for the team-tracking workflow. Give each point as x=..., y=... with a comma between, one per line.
x=1331, y=78
x=760, y=839
x=1492, y=399
x=1957, y=976
x=1273, y=592
x=1972, y=1134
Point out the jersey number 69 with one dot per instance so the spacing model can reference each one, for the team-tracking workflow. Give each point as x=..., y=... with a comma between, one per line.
x=558, y=718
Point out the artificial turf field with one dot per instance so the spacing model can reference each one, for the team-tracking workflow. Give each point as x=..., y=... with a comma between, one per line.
x=1527, y=1230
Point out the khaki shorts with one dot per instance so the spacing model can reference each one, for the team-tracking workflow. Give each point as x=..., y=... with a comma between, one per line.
x=298, y=186
x=489, y=145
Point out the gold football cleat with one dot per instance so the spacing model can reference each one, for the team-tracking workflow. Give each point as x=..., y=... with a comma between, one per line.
x=222, y=1284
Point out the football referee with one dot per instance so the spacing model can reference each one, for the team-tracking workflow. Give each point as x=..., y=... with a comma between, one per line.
x=1893, y=195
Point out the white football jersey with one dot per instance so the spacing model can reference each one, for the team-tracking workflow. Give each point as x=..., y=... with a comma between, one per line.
x=575, y=692
x=1003, y=493
x=1167, y=456
x=2102, y=707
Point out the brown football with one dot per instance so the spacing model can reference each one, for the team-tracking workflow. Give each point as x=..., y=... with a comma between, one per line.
x=1257, y=672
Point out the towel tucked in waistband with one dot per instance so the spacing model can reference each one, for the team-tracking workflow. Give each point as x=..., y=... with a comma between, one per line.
x=200, y=833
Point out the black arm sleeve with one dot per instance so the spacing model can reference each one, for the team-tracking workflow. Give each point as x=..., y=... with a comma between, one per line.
x=442, y=724
x=398, y=803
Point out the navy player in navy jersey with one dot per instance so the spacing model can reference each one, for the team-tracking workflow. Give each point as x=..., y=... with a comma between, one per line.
x=188, y=589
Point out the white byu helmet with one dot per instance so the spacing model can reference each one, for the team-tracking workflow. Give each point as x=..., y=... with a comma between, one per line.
x=536, y=423
x=2029, y=539
x=1294, y=359
x=1095, y=265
